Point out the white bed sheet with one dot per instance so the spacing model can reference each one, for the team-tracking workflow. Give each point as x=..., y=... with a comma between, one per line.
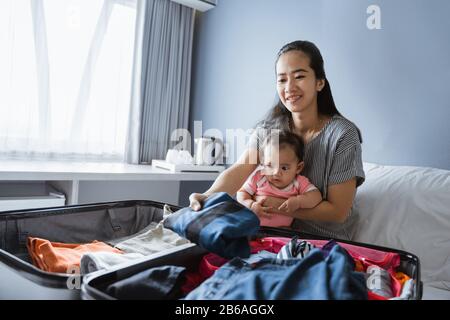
x=408, y=208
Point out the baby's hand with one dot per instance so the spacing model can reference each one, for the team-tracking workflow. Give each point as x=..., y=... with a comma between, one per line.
x=260, y=210
x=290, y=205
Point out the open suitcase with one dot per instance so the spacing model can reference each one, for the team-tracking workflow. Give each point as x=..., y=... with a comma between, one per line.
x=20, y=279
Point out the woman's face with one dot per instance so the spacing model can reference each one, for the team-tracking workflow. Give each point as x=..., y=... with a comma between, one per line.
x=297, y=85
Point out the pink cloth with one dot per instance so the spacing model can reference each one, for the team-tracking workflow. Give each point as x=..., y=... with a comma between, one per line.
x=258, y=185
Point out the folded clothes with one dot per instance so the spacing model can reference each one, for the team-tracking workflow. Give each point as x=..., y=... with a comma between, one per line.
x=94, y=261
x=154, y=239
x=62, y=257
x=159, y=283
x=114, y=242
x=223, y=226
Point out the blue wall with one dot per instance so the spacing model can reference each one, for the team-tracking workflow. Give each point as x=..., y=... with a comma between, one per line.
x=394, y=83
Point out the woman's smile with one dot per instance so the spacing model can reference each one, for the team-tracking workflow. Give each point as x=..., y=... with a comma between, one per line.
x=293, y=98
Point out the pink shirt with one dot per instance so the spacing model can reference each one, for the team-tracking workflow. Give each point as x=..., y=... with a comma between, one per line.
x=258, y=185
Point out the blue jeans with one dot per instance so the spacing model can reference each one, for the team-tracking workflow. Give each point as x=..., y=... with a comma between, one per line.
x=223, y=226
x=314, y=277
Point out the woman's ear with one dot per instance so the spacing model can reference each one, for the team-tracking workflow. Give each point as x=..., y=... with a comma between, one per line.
x=320, y=84
x=300, y=166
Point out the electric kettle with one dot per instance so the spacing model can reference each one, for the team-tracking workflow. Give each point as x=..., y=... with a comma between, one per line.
x=209, y=151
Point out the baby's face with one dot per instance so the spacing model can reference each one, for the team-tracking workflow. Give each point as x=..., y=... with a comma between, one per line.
x=280, y=165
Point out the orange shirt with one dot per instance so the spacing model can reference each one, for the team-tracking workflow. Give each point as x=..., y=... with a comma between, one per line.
x=61, y=257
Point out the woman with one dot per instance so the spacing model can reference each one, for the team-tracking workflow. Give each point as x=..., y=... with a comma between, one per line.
x=333, y=160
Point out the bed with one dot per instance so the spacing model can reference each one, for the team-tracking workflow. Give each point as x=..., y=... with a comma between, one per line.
x=408, y=208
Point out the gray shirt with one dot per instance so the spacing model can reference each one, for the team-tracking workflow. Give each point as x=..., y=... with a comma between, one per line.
x=332, y=157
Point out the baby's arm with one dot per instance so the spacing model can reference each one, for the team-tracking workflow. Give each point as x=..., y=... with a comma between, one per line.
x=246, y=199
x=307, y=200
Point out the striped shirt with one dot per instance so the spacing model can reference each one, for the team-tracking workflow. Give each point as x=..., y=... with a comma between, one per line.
x=332, y=157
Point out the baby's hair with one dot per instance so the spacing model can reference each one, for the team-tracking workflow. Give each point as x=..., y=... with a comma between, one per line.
x=285, y=139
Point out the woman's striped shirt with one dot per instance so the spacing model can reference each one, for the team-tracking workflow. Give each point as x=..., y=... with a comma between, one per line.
x=332, y=157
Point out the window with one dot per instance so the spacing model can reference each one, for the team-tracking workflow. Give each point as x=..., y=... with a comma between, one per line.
x=65, y=78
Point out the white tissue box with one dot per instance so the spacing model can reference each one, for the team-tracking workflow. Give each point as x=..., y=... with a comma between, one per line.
x=162, y=164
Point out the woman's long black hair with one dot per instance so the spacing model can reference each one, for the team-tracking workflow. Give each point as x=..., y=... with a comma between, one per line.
x=279, y=116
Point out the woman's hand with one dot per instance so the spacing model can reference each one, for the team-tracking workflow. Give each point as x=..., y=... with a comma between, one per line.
x=260, y=210
x=196, y=200
x=290, y=205
x=272, y=202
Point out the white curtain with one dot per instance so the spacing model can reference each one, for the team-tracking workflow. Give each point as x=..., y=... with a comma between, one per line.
x=161, y=78
x=65, y=78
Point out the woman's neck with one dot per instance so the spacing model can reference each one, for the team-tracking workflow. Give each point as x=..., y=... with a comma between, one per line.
x=308, y=124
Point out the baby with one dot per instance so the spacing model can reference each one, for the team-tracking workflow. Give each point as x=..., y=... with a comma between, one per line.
x=279, y=176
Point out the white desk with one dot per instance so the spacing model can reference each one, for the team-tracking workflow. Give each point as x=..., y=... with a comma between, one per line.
x=78, y=180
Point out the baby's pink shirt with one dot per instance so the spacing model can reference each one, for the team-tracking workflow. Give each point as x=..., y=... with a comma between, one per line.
x=258, y=185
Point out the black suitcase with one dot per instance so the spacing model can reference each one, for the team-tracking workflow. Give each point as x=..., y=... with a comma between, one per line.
x=95, y=288
x=20, y=279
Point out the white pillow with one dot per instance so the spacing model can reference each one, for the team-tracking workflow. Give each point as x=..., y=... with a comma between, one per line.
x=408, y=208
